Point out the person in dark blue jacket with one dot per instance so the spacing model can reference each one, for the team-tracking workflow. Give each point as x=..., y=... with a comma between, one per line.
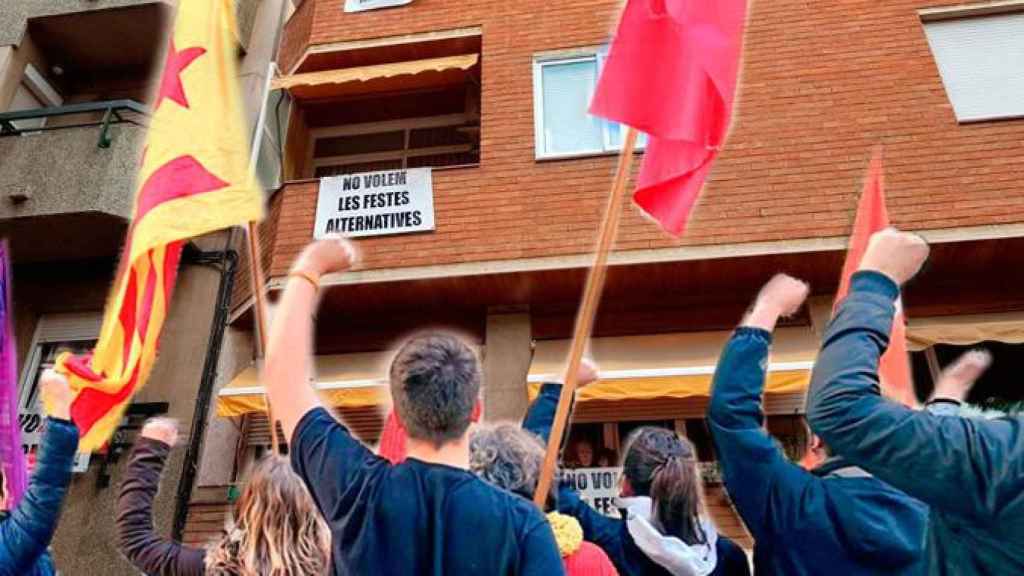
x=25, y=531
x=970, y=471
x=834, y=519
x=663, y=529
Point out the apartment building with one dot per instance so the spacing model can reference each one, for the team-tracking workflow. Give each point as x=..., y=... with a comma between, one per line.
x=76, y=79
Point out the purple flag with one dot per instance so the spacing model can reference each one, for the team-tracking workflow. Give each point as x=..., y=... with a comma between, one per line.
x=11, y=454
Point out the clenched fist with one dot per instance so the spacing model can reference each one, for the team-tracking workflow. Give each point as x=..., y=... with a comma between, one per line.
x=957, y=379
x=783, y=294
x=162, y=429
x=56, y=395
x=332, y=254
x=898, y=255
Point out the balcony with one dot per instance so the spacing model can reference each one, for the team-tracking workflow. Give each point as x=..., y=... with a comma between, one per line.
x=68, y=172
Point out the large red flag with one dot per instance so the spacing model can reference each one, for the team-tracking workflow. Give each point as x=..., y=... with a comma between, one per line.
x=671, y=73
x=872, y=216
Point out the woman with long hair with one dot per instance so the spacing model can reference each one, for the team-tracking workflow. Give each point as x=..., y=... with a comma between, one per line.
x=664, y=528
x=276, y=528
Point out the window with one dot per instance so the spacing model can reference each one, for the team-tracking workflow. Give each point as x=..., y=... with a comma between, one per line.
x=563, y=87
x=448, y=140
x=55, y=333
x=981, y=61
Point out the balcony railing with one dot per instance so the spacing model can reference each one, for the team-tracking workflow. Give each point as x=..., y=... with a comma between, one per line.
x=114, y=112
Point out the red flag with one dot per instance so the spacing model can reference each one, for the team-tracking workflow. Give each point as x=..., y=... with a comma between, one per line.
x=872, y=216
x=392, y=440
x=671, y=73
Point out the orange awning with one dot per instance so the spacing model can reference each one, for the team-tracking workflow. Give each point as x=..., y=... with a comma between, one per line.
x=344, y=380
x=408, y=75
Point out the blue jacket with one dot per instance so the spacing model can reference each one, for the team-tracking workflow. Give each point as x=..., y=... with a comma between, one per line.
x=613, y=534
x=25, y=534
x=969, y=471
x=836, y=516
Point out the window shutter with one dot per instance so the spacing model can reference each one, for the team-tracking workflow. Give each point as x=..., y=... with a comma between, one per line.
x=981, y=60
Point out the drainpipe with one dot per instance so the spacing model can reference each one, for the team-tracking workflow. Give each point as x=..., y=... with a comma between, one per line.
x=227, y=261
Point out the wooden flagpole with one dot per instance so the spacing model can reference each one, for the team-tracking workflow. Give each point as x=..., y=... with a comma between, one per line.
x=259, y=291
x=585, y=316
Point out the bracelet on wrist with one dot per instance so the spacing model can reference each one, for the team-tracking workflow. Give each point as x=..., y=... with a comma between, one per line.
x=307, y=276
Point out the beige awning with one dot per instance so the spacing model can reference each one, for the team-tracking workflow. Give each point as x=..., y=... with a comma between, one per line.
x=965, y=330
x=677, y=365
x=344, y=380
x=408, y=75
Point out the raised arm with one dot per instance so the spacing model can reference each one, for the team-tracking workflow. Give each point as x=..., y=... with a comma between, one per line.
x=26, y=534
x=755, y=469
x=136, y=537
x=597, y=528
x=286, y=373
x=964, y=466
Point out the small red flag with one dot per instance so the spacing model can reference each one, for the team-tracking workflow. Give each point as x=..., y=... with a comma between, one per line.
x=872, y=216
x=392, y=440
x=671, y=73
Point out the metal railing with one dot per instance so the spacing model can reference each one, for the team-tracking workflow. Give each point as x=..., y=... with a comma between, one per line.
x=112, y=114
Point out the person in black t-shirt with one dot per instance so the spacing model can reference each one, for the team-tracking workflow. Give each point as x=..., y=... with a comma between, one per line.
x=428, y=515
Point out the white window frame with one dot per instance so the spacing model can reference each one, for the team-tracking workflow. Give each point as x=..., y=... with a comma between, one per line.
x=407, y=125
x=596, y=54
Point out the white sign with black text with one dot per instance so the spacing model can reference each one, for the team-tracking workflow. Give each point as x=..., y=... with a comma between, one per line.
x=375, y=203
x=364, y=5
x=598, y=487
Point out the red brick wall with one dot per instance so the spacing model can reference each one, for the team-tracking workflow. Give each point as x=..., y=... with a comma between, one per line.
x=822, y=82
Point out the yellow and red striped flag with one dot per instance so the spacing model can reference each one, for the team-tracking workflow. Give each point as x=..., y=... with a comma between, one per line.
x=194, y=179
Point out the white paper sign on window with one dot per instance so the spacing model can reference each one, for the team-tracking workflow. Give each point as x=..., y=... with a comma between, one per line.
x=598, y=487
x=375, y=203
x=364, y=5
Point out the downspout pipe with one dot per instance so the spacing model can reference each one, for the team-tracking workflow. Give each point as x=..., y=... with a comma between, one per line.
x=227, y=262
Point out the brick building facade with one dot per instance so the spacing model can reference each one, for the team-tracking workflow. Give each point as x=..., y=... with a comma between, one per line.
x=489, y=95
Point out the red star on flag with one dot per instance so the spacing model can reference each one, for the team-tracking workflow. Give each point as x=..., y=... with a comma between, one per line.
x=170, y=83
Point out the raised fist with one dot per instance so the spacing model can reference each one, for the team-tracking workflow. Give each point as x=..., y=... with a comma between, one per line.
x=332, y=254
x=783, y=294
x=161, y=429
x=56, y=395
x=587, y=374
x=958, y=378
x=898, y=255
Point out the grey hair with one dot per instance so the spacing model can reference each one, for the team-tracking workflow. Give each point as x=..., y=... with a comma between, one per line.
x=508, y=457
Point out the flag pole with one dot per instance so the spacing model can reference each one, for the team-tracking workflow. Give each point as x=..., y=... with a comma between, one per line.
x=256, y=256
x=260, y=312
x=585, y=316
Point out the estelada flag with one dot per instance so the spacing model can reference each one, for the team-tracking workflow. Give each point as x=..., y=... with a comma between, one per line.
x=872, y=216
x=671, y=73
x=194, y=179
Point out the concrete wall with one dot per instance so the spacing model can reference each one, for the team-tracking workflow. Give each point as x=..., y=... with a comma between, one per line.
x=506, y=364
x=15, y=13
x=65, y=171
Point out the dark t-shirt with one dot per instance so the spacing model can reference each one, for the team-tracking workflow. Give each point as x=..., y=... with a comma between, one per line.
x=415, y=518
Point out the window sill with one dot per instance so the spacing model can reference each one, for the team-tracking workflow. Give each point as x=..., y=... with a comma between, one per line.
x=581, y=155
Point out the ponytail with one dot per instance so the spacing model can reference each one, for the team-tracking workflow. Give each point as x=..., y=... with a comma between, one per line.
x=661, y=465
x=677, y=498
